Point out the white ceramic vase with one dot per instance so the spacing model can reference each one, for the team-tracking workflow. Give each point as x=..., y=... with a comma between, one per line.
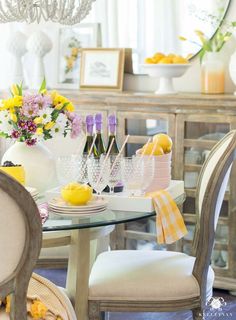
x=38, y=163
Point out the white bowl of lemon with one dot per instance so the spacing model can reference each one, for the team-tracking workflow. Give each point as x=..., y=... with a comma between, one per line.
x=166, y=67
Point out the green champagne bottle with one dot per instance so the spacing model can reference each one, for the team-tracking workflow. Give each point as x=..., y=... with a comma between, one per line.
x=89, y=138
x=112, y=123
x=99, y=140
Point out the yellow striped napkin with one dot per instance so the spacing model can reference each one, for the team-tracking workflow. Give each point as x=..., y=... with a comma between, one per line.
x=170, y=225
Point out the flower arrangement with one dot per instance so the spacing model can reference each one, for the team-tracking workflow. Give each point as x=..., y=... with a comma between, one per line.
x=216, y=42
x=31, y=118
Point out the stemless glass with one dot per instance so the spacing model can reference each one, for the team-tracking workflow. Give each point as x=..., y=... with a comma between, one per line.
x=148, y=171
x=132, y=171
x=115, y=172
x=98, y=173
x=67, y=169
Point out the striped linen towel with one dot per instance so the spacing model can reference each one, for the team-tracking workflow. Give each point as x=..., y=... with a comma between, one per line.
x=170, y=225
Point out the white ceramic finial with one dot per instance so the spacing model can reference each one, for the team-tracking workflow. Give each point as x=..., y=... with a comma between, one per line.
x=16, y=45
x=39, y=44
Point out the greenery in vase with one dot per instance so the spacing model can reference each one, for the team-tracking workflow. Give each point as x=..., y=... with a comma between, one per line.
x=216, y=42
x=33, y=117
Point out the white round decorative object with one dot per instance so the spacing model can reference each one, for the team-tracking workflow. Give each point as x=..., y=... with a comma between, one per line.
x=38, y=44
x=38, y=162
x=16, y=45
x=166, y=73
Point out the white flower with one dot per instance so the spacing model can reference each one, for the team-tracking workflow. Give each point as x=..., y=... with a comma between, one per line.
x=61, y=120
x=5, y=126
x=46, y=115
x=57, y=129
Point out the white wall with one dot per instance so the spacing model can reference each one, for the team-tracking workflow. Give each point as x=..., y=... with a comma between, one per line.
x=191, y=80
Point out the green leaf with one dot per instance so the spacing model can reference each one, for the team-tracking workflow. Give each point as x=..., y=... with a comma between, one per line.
x=20, y=89
x=43, y=86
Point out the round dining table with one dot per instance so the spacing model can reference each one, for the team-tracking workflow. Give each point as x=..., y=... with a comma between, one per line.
x=81, y=230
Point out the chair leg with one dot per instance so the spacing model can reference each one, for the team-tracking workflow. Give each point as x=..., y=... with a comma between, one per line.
x=94, y=311
x=197, y=313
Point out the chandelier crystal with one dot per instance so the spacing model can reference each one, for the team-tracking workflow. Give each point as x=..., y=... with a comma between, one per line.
x=68, y=12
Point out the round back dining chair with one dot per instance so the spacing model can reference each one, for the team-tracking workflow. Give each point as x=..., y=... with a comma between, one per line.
x=149, y=281
x=20, y=243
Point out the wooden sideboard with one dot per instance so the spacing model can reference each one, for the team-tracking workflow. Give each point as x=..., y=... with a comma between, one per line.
x=195, y=122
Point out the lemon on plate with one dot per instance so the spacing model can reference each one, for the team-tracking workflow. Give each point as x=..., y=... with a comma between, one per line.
x=76, y=194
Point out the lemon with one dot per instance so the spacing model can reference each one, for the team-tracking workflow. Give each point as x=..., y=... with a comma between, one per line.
x=76, y=194
x=158, y=56
x=164, y=141
x=149, y=61
x=166, y=60
x=148, y=149
x=179, y=59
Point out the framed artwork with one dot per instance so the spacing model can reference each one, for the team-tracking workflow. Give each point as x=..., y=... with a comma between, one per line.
x=71, y=41
x=102, y=69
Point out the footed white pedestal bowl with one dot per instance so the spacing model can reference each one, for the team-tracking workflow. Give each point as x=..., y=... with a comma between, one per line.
x=166, y=73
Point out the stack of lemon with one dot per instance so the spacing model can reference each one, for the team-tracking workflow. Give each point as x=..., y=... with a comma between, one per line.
x=161, y=58
x=161, y=144
x=161, y=148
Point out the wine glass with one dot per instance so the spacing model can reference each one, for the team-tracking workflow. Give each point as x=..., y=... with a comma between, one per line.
x=67, y=169
x=115, y=172
x=132, y=172
x=98, y=173
x=83, y=170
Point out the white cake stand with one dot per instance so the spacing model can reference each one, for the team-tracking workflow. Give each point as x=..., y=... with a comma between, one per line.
x=166, y=73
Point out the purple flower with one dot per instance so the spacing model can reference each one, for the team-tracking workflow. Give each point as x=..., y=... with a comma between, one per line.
x=31, y=142
x=76, y=126
x=31, y=126
x=32, y=103
x=22, y=124
x=15, y=134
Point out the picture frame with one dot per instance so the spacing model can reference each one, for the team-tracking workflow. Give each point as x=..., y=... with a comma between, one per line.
x=102, y=69
x=70, y=42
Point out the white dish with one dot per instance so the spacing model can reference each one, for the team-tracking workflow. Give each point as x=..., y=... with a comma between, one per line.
x=59, y=203
x=76, y=214
x=166, y=73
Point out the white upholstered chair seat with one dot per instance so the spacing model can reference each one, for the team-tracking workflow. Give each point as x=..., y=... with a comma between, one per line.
x=145, y=276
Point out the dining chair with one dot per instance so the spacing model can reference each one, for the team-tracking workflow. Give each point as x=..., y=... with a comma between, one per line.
x=20, y=245
x=165, y=281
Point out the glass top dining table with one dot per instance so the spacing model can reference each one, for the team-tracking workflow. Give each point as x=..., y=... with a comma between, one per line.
x=81, y=230
x=58, y=222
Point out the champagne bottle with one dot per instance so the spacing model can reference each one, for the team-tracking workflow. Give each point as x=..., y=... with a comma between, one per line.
x=89, y=139
x=112, y=123
x=112, y=134
x=99, y=141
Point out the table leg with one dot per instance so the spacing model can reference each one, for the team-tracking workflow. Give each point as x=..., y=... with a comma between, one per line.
x=78, y=271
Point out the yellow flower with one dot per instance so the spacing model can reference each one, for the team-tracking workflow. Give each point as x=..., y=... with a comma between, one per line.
x=38, y=120
x=199, y=33
x=8, y=304
x=49, y=125
x=59, y=106
x=39, y=131
x=74, y=51
x=15, y=90
x=182, y=38
x=44, y=91
x=13, y=117
x=38, y=310
x=70, y=107
x=8, y=104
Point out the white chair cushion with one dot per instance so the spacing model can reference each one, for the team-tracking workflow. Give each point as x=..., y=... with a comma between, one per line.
x=145, y=276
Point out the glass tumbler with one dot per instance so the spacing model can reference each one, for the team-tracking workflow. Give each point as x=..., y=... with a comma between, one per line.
x=98, y=173
x=132, y=171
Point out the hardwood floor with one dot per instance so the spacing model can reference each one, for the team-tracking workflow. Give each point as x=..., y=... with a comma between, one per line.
x=228, y=311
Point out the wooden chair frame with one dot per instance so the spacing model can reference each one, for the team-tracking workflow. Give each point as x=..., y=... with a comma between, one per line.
x=204, y=240
x=17, y=283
